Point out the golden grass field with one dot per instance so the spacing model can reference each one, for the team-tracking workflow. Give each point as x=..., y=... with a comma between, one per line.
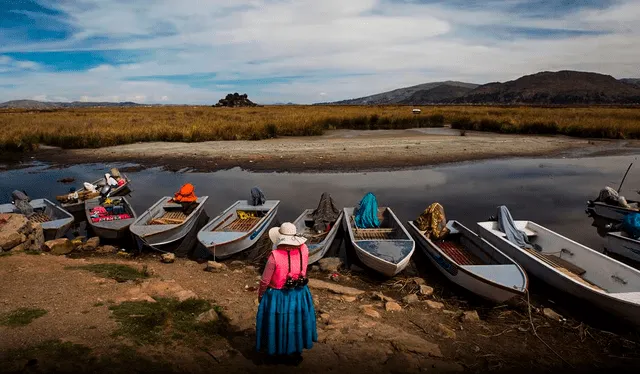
x=23, y=130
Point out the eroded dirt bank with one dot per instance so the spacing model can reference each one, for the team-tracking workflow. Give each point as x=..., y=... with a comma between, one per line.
x=338, y=151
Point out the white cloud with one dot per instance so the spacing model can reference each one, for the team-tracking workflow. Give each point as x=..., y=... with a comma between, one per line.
x=340, y=48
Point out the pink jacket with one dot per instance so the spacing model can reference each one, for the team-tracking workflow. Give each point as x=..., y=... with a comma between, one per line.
x=275, y=273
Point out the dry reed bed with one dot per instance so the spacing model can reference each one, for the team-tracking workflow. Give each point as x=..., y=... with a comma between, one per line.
x=98, y=127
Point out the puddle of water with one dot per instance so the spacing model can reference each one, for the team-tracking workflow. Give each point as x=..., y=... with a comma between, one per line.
x=552, y=192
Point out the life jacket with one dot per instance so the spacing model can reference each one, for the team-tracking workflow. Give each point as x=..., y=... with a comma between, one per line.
x=185, y=194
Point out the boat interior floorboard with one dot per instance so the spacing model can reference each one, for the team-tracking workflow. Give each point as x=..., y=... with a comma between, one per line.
x=240, y=225
x=458, y=253
x=39, y=218
x=169, y=218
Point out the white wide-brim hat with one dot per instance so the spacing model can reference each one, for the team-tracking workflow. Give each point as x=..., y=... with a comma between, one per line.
x=286, y=235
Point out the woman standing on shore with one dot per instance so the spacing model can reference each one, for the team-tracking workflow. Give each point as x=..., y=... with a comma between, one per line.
x=286, y=320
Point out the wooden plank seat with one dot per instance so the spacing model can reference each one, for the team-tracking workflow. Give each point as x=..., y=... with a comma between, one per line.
x=169, y=218
x=564, y=266
x=239, y=225
x=373, y=234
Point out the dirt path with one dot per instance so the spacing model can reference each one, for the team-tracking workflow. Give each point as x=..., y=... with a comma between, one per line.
x=338, y=150
x=356, y=333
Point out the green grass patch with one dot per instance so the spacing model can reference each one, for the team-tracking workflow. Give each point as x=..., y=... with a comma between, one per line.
x=21, y=317
x=119, y=272
x=6, y=254
x=33, y=253
x=64, y=357
x=98, y=304
x=165, y=320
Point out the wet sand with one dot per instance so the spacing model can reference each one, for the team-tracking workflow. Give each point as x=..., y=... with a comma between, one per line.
x=341, y=150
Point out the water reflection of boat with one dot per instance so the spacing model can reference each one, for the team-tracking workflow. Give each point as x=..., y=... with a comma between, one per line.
x=573, y=268
x=473, y=263
x=386, y=249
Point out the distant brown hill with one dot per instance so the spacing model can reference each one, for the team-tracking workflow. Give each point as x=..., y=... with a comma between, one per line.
x=562, y=87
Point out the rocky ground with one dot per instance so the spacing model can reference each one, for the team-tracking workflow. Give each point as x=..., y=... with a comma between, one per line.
x=90, y=318
x=338, y=150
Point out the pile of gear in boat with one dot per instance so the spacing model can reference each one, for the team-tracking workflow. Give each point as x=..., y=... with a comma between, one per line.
x=109, y=210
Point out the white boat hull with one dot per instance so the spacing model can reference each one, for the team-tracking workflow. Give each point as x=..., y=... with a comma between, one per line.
x=365, y=248
x=160, y=235
x=620, y=244
x=614, y=213
x=603, y=271
x=461, y=276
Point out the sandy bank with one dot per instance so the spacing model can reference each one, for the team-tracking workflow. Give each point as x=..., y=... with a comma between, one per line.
x=339, y=150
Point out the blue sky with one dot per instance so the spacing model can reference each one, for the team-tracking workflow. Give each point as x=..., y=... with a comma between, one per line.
x=304, y=51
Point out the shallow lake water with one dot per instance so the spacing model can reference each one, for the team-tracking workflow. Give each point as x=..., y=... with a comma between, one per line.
x=552, y=192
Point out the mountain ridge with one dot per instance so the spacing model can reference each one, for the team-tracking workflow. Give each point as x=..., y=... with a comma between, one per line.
x=564, y=87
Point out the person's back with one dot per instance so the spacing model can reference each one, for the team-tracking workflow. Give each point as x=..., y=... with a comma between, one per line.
x=286, y=320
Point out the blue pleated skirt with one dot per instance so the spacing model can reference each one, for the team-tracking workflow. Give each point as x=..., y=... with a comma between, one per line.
x=286, y=321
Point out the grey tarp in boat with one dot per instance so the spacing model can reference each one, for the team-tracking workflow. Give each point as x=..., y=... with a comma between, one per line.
x=325, y=214
x=506, y=225
x=257, y=197
x=21, y=201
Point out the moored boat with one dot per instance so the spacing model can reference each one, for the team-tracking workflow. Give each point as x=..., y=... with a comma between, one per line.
x=74, y=201
x=620, y=243
x=55, y=221
x=115, y=222
x=165, y=222
x=386, y=249
x=238, y=227
x=318, y=243
x=472, y=263
x=612, y=212
x=570, y=267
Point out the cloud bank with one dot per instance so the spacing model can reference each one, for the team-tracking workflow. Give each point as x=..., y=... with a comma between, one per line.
x=302, y=51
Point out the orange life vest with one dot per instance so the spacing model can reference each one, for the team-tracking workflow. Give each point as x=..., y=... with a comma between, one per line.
x=185, y=194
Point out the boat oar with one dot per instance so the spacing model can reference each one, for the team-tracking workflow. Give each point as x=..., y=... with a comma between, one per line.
x=625, y=176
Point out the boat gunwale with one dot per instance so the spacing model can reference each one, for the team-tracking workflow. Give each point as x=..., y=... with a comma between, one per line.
x=248, y=233
x=608, y=295
x=472, y=274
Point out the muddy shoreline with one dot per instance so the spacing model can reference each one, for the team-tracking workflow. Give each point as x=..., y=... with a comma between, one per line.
x=336, y=151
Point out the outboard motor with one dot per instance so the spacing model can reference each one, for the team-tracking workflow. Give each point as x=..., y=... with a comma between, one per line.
x=105, y=191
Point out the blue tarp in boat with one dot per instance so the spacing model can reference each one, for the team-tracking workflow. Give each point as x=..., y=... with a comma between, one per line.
x=631, y=225
x=366, y=216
